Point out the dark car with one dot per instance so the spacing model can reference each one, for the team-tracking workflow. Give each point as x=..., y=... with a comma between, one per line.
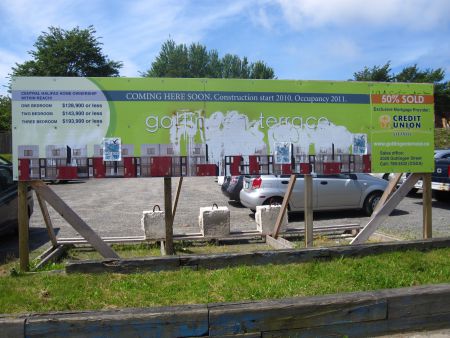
x=9, y=201
x=4, y=161
x=232, y=186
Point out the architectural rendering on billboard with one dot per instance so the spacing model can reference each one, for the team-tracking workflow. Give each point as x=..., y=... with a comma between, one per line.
x=126, y=127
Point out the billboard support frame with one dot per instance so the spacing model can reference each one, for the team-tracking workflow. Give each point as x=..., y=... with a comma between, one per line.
x=46, y=194
x=386, y=208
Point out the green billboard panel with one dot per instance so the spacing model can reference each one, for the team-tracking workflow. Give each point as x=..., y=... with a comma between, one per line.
x=126, y=127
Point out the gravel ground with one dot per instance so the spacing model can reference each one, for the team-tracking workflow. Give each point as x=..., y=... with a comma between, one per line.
x=113, y=207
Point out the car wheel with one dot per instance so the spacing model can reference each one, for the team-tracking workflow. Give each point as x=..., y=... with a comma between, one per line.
x=276, y=200
x=371, y=202
x=441, y=196
x=413, y=191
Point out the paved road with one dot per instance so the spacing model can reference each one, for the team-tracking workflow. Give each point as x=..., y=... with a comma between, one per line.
x=113, y=207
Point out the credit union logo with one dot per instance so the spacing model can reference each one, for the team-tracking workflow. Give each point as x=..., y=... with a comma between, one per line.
x=385, y=121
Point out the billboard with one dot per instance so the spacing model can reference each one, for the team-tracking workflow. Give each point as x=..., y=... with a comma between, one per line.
x=127, y=127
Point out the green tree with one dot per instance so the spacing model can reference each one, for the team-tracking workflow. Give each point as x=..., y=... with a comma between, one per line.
x=415, y=75
x=234, y=67
x=259, y=70
x=196, y=61
x=214, y=65
x=173, y=61
x=5, y=113
x=75, y=52
x=376, y=73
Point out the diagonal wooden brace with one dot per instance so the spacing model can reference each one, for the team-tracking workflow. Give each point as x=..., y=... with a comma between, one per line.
x=73, y=219
x=381, y=214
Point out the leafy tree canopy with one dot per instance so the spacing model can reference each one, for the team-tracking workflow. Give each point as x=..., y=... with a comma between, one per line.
x=408, y=74
x=195, y=61
x=376, y=73
x=75, y=52
x=5, y=113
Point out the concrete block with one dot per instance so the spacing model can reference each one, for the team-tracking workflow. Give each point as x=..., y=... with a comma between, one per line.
x=214, y=221
x=154, y=224
x=266, y=216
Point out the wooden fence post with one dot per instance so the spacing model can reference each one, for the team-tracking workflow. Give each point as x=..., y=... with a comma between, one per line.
x=168, y=245
x=308, y=179
x=427, y=206
x=24, y=254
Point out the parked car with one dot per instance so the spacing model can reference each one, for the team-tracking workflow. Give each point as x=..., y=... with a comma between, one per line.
x=4, y=161
x=440, y=178
x=9, y=201
x=232, y=186
x=330, y=192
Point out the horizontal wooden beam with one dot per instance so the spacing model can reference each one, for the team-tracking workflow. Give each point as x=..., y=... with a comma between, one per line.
x=53, y=256
x=218, y=261
x=279, y=243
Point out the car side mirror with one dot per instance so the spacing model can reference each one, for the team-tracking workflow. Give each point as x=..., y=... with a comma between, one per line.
x=353, y=177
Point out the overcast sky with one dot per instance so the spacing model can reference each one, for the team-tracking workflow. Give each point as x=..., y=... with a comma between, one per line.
x=300, y=39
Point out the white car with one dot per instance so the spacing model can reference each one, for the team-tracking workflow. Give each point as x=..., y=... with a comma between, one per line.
x=330, y=192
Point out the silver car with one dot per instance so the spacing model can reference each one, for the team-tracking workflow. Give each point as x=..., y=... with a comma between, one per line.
x=330, y=192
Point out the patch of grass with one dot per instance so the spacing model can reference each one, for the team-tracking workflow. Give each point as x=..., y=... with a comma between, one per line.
x=20, y=293
x=442, y=138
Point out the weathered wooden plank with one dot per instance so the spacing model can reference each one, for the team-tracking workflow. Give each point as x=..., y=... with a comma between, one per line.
x=294, y=313
x=308, y=181
x=47, y=219
x=386, y=209
x=418, y=301
x=177, y=196
x=53, y=256
x=125, y=265
x=12, y=327
x=243, y=335
x=427, y=206
x=368, y=329
x=218, y=261
x=387, y=192
x=24, y=250
x=325, y=229
x=178, y=321
x=304, y=255
x=284, y=205
x=406, y=309
x=279, y=243
x=73, y=219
